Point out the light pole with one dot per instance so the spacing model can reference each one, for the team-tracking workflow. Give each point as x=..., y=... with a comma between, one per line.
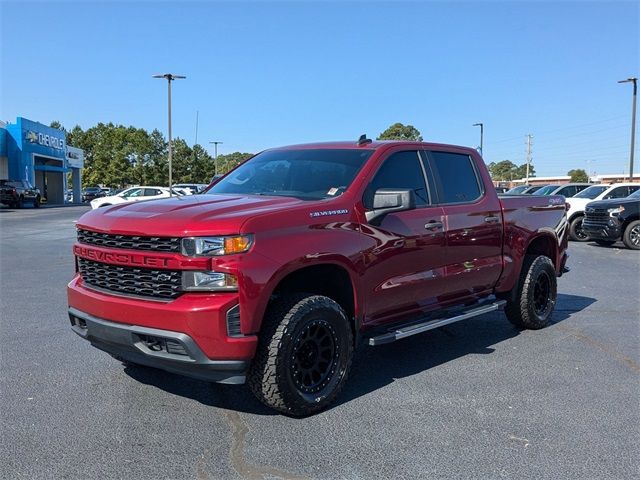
x=481, y=125
x=634, y=80
x=215, y=157
x=169, y=77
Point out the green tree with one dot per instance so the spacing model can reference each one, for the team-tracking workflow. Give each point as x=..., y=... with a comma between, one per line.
x=521, y=171
x=228, y=162
x=398, y=131
x=578, y=175
x=502, y=171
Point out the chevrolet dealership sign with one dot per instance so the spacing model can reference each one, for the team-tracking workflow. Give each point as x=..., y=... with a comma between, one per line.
x=44, y=140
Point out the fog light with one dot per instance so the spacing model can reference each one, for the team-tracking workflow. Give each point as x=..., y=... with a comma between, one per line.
x=208, y=281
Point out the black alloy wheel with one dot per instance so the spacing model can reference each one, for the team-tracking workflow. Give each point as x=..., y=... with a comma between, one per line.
x=541, y=294
x=631, y=236
x=314, y=356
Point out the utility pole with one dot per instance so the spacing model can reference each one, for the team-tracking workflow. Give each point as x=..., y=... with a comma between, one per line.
x=529, y=143
x=481, y=125
x=215, y=157
x=169, y=77
x=633, y=80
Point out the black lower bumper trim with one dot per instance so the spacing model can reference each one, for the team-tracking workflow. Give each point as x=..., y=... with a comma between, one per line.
x=132, y=344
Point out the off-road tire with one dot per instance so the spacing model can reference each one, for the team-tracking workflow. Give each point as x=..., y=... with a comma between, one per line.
x=526, y=310
x=575, y=230
x=631, y=235
x=605, y=243
x=275, y=376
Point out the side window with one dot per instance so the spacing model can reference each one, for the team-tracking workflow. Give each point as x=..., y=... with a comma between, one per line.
x=619, y=192
x=400, y=170
x=456, y=178
x=568, y=191
x=633, y=188
x=579, y=188
x=151, y=192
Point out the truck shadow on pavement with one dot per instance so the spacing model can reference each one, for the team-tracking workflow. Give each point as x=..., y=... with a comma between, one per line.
x=373, y=368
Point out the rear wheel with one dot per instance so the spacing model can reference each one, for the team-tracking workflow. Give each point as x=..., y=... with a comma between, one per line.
x=536, y=294
x=576, y=233
x=631, y=236
x=605, y=243
x=303, y=356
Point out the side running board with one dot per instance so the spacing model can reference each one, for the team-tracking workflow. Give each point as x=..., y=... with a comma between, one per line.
x=414, y=329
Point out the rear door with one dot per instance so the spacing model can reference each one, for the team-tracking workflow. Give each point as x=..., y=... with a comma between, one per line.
x=473, y=225
x=405, y=264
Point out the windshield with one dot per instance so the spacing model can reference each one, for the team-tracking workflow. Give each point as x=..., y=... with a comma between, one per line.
x=304, y=174
x=591, y=192
x=547, y=190
x=635, y=194
x=517, y=190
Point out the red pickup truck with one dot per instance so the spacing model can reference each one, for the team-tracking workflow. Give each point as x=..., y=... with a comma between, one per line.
x=301, y=254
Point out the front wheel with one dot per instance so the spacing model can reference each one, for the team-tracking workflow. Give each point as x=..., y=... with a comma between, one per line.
x=303, y=355
x=576, y=232
x=536, y=294
x=36, y=202
x=631, y=236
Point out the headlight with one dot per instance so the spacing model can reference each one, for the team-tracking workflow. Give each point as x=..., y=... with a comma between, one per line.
x=615, y=211
x=215, y=246
x=208, y=281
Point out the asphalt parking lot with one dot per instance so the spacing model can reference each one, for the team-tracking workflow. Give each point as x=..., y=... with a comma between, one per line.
x=477, y=399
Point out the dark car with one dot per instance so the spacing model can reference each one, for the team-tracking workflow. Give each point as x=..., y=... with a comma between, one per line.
x=501, y=190
x=16, y=193
x=606, y=221
x=91, y=193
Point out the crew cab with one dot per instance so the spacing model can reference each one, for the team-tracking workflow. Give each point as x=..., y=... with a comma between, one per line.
x=578, y=202
x=607, y=221
x=284, y=266
x=15, y=193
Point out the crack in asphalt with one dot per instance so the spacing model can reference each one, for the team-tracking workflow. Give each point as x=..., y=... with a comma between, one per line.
x=629, y=362
x=239, y=430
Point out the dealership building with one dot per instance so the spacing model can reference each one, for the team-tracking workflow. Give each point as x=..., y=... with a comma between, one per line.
x=39, y=154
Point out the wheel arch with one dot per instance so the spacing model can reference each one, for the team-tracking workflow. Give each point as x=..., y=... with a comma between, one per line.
x=332, y=279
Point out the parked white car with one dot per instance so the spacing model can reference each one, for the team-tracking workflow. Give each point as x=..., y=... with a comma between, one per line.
x=133, y=194
x=578, y=202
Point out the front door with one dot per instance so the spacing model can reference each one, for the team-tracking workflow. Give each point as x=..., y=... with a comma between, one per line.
x=406, y=260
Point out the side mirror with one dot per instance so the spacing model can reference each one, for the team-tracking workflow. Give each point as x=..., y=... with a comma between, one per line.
x=389, y=200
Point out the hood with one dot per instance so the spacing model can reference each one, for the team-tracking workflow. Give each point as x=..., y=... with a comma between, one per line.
x=613, y=202
x=187, y=215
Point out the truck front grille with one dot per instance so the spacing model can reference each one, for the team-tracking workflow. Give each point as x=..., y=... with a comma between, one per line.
x=140, y=282
x=155, y=244
x=597, y=216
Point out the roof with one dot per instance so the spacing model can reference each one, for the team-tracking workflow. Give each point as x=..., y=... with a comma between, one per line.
x=373, y=145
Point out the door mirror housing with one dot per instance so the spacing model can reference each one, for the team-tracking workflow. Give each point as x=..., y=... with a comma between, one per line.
x=390, y=200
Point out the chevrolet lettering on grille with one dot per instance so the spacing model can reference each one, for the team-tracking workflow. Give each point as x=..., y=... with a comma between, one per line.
x=119, y=258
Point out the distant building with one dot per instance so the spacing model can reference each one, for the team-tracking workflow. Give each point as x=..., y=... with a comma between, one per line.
x=39, y=154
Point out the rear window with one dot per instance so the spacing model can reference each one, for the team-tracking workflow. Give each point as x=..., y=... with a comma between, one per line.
x=456, y=177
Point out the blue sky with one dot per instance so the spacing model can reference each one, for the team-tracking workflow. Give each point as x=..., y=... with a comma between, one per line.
x=264, y=74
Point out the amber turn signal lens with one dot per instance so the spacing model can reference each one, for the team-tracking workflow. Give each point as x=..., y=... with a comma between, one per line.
x=238, y=244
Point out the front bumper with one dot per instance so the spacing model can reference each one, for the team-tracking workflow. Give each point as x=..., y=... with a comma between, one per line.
x=171, y=351
x=610, y=231
x=200, y=317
